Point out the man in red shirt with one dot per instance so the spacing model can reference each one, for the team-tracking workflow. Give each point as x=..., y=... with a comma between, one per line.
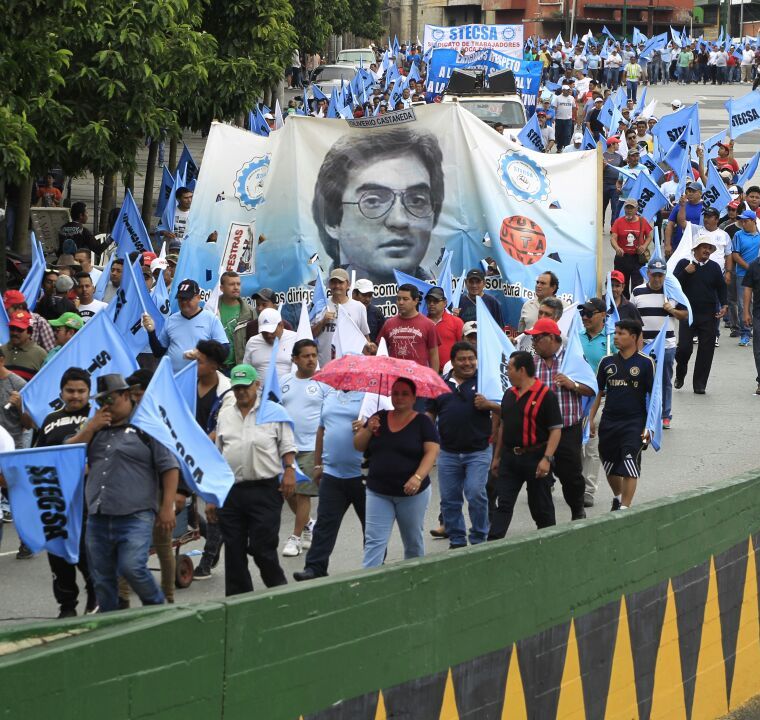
x=630, y=236
x=409, y=335
x=448, y=327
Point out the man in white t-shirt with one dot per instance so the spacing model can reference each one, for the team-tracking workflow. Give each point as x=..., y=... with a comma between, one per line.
x=88, y=307
x=547, y=131
x=748, y=60
x=324, y=329
x=83, y=256
x=564, y=117
x=720, y=239
x=184, y=199
x=258, y=349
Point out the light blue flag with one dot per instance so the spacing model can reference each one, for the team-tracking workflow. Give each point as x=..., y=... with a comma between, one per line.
x=414, y=73
x=33, y=280
x=424, y=287
x=638, y=36
x=649, y=196
x=167, y=217
x=187, y=168
x=613, y=316
x=319, y=300
x=444, y=277
x=674, y=291
x=620, y=98
x=129, y=232
x=669, y=128
x=257, y=124
x=715, y=194
x=160, y=296
x=165, y=192
x=458, y=290
x=654, y=403
x=104, y=279
x=318, y=94
x=676, y=37
x=656, y=42
x=684, y=175
x=641, y=103
x=5, y=334
x=579, y=294
x=127, y=308
x=530, y=135
x=494, y=350
x=615, y=120
x=98, y=348
x=271, y=409
x=606, y=32
x=187, y=384
x=46, y=492
x=748, y=171
x=654, y=170
x=165, y=416
x=674, y=156
x=607, y=113
x=588, y=140
x=574, y=364
x=712, y=143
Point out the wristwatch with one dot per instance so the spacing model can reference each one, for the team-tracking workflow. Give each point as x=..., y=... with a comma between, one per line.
x=550, y=458
x=577, y=387
x=291, y=465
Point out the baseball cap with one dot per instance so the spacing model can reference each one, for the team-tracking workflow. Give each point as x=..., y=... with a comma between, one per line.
x=544, y=326
x=339, y=274
x=69, y=320
x=748, y=215
x=436, y=293
x=693, y=186
x=148, y=257
x=726, y=171
x=172, y=258
x=596, y=100
x=617, y=276
x=655, y=265
x=264, y=294
x=634, y=151
x=13, y=297
x=364, y=286
x=269, y=319
x=565, y=86
x=63, y=284
x=613, y=139
x=593, y=305
x=711, y=211
x=475, y=273
x=540, y=112
x=243, y=375
x=188, y=289
x=725, y=144
x=578, y=138
x=631, y=201
x=734, y=204
x=159, y=264
x=269, y=116
x=20, y=319
x=641, y=121
x=676, y=103
x=470, y=328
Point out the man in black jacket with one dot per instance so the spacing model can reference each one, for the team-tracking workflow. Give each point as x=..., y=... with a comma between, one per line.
x=705, y=287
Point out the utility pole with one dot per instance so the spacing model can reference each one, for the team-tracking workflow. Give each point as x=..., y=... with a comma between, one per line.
x=625, y=18
x=650, y=19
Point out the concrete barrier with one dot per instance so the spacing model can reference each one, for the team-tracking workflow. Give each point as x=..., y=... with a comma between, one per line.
x=651, y=613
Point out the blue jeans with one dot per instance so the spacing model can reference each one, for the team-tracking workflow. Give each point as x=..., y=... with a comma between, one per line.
x=632, y=87
x=463, y=476
x=667, y=383
x=744, y=329
x=117, y=545
x=408, y=511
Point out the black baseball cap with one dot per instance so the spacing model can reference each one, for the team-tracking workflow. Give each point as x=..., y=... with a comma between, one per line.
x=436, y=293
x=264, y=294
x=656, y=265
x=475, y=273
x=593, y=305
x=188, y=289
x=711, y=211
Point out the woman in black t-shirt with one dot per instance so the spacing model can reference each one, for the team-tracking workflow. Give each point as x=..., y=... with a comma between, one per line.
x=402, y=446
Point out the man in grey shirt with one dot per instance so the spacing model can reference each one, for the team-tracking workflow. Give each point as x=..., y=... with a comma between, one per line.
x=126, y=467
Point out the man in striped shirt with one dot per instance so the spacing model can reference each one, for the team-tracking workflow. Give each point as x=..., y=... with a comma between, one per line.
x=656, y=309
x=568, y=465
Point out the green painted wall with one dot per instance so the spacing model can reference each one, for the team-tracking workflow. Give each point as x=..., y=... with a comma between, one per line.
x=297, y=650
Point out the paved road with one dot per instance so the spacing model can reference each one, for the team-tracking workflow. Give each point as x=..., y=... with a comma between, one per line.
x=705, y=446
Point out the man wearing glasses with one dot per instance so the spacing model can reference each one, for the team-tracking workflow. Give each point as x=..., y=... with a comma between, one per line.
x=376, y=201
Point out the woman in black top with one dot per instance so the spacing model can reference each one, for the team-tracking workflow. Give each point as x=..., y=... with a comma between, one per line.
x=402, y=446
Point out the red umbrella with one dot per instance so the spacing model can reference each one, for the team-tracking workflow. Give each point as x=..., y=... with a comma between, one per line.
x=377, y=373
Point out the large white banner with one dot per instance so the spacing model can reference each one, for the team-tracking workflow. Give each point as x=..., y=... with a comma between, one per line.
x=390, y=196
x=469, y=38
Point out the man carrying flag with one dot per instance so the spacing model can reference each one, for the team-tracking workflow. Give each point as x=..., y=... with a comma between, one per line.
x=127, y=467
x=625, y=379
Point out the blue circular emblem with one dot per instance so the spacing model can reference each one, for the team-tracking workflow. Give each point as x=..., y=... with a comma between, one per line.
x=438, y=34
x=249, y=182
x=522, y=177
x=508, y=33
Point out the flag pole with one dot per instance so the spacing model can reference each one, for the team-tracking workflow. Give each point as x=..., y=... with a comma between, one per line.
x=599, y=218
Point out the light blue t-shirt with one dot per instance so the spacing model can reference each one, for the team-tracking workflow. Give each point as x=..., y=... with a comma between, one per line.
x=303, y=398
x=181, y=334
x=748, y=246
x=339, y=457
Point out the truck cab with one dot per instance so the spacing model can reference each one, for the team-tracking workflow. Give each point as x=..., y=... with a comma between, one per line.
x=492, y=99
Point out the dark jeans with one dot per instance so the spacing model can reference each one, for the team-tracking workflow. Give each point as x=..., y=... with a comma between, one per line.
x=336, y=495
x=213, y=545
x=610, y=195
x=515, y=470
x=117, y=546
x=65, y=586
x=250, y=517
x=568, y=469
x=703, y=328
x=563, y=133
x=630, y=266
x=756, y=344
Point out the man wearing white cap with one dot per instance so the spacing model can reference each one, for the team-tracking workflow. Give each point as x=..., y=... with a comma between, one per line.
x=258, y=350
x=564, y=119
x=576, y=144
x=364, y=291
x=324, y=329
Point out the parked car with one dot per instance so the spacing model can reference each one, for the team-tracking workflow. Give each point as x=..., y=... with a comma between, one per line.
x=327, y=77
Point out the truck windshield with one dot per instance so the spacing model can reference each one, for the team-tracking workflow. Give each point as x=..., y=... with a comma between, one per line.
x=509, y=113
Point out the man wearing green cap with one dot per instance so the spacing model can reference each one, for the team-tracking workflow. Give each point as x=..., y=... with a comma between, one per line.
x=64, y=328
x=257, y=454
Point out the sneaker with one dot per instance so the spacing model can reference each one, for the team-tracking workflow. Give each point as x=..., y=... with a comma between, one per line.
x=292, y=547
x=24, y=553
x=615, y=504
x=94, y=610
x=757, y=391
x=306, y=536
x=717, y=342
x=744, y=342
x=666, y=423
x=201, y=573
x=678, y=383
x=734, y=334
x=67, y=614
x=695, y=340
x=7, y=516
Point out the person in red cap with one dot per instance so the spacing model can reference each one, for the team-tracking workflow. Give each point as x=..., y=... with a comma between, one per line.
x=23, y=356
x=626, y=311
x=42, y=332
x=568, y=458
x=147, y=258
x=725, y=157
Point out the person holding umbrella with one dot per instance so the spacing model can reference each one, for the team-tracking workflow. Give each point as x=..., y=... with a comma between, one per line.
x=402, y=446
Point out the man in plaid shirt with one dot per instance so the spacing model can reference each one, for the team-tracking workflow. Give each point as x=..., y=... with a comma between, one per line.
x=568, y=459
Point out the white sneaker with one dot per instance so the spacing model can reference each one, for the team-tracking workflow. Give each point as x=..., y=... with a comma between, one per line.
x=292, y=547
x=306, y=538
